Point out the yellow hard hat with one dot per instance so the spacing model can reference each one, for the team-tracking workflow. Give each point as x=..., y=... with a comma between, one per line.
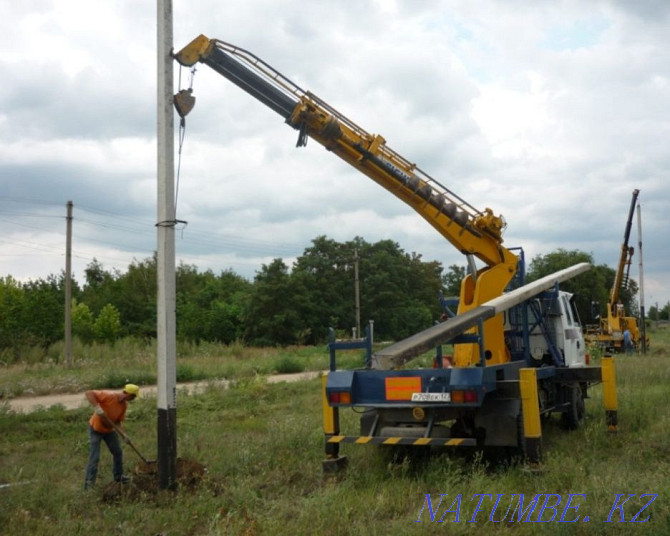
x=132, y=389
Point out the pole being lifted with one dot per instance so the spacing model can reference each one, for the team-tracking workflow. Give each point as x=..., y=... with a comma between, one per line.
x=166, y=302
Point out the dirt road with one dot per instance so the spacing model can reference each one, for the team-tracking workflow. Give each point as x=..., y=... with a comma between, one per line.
x=77, y=400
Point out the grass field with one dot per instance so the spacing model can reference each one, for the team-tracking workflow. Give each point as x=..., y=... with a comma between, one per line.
x=104, y=366
x=262, y=445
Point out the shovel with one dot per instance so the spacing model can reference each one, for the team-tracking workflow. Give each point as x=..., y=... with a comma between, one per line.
x=127, y=440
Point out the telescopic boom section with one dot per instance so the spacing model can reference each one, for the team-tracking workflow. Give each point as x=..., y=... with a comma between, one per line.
x=471, y=231
x=625, y=257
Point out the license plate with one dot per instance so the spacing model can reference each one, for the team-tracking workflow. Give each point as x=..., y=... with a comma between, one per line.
x=431, y=397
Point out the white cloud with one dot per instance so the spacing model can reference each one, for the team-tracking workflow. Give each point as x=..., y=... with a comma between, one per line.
x=548, y=113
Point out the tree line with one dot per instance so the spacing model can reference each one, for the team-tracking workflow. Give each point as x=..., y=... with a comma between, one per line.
x=283, y=305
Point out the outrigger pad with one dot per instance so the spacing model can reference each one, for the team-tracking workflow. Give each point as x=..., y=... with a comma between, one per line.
x=335, y=465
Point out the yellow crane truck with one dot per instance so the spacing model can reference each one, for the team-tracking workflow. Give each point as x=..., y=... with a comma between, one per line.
x=609, y=332
x=518, y=351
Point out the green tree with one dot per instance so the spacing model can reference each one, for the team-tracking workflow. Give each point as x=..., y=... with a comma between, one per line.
x=325, y=275
x=451, y=280
x=12, y=303
x=191, y=321
x=398, y=290
x=135, y=297
x=283, y=305
x=43, y=314
x=401, y=290
x=82, y=322
x=591, y=286
x=225, y=322
x=100, y=287
x=272, y=313
x=107, y=325
x=209, y=307
x=658, y=313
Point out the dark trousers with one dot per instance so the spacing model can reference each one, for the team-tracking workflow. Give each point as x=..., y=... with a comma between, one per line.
x=114, y=446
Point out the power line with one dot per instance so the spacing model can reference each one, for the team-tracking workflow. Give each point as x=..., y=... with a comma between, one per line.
x=221, y=248
x=29, y=200
x=146, y=227
x=29, y=214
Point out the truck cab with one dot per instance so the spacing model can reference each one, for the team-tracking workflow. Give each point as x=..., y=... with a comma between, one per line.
x=556, y=337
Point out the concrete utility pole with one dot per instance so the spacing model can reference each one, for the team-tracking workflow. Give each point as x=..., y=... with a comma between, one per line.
x=643, y=325
x=68, y=285
x=166, y=305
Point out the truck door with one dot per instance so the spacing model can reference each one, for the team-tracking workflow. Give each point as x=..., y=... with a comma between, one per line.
x=573, y=338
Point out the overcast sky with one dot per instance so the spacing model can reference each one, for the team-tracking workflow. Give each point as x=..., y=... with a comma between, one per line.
x=549, y=112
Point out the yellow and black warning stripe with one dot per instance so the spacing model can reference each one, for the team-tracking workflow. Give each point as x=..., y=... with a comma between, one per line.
x=420, y=441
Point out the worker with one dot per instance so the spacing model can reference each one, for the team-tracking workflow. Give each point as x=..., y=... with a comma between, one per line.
x=628, y=341
x=619, y=309
x=109, y=412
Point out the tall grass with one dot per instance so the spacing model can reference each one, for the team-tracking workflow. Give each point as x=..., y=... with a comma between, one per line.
x=263, y=446
x=131, y=359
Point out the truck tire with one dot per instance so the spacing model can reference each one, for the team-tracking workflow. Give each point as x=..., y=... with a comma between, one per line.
x=573, y=415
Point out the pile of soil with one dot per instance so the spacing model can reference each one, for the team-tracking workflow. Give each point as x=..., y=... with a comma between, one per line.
x=144, y=480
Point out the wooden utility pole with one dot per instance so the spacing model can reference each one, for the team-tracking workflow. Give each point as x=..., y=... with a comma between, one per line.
x=166, y=304
x=68, y=285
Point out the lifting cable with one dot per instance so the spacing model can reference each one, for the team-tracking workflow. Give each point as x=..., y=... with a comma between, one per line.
x=182, y=130
x=184, y=102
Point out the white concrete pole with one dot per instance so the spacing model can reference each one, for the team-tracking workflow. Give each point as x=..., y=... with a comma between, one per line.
x=643, y=325
x=166, y=303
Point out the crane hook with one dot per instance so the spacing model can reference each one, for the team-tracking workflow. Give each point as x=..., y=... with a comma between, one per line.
x=184, y=101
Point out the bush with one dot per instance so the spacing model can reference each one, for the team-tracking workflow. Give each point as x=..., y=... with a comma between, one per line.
x=288, y=365
x=187, y=373
x=118, y=378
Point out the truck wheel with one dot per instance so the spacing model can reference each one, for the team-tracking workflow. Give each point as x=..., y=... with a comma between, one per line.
x=574, y=414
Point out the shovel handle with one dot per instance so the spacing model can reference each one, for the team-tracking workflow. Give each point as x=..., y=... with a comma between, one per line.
x=128, y=441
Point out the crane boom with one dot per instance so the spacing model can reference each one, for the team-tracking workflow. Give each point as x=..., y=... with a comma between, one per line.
x=473, y=232
x=610, y=332
x=625, y=257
